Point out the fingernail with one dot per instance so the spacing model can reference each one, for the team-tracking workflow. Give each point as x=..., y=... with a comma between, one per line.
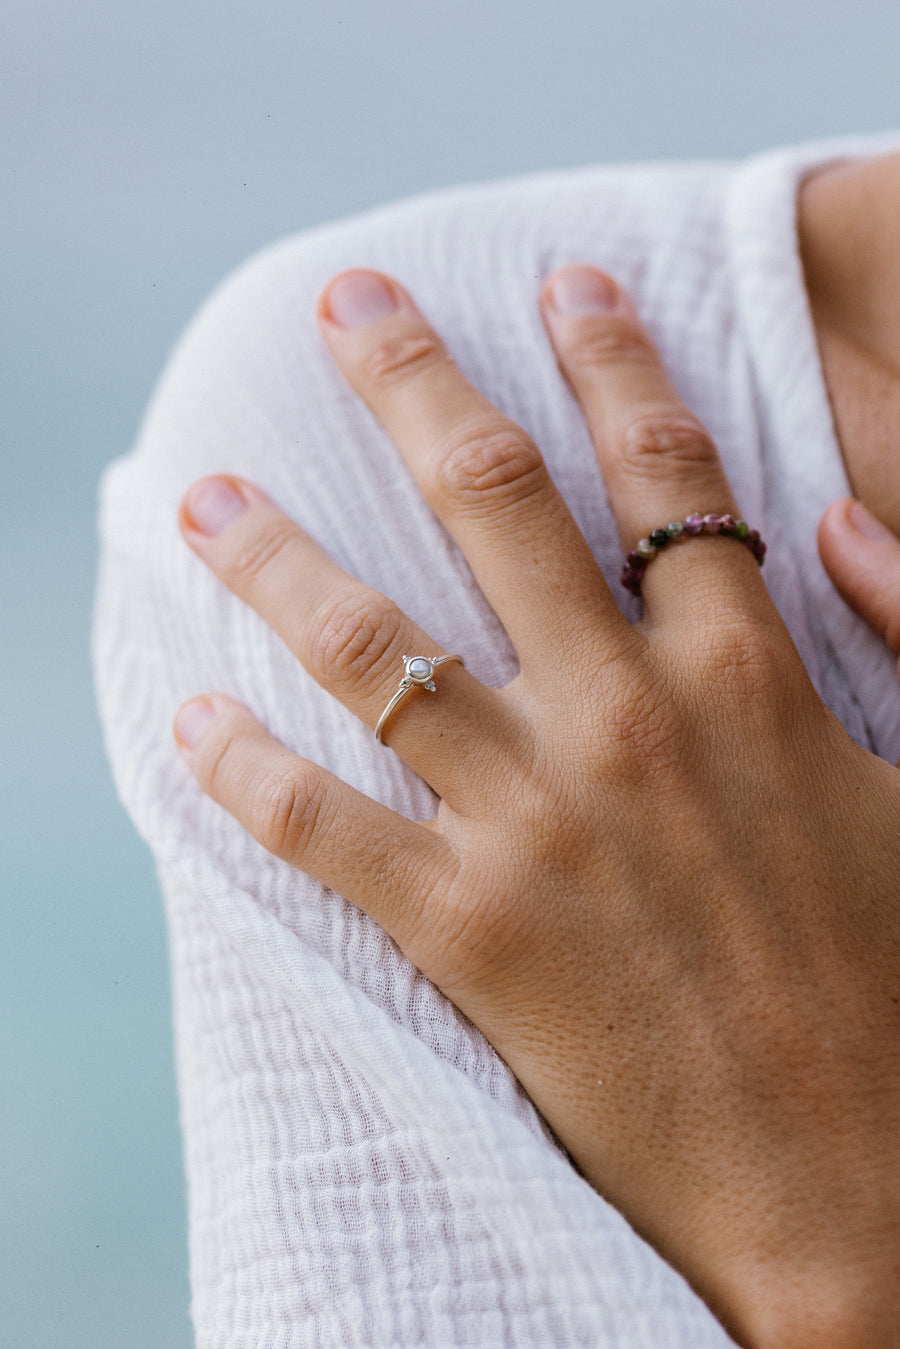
x=865, y=523
x=211, y=505
x=191, y=720
x=582, y=290
x=356, y=298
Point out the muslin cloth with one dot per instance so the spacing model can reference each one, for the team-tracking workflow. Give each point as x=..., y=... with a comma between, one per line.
x=363, y=1169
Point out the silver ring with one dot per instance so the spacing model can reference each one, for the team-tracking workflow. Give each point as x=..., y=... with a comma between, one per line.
x=419, y=675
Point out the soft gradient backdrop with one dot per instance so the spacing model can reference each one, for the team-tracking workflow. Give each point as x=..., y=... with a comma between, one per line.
x=147, y=148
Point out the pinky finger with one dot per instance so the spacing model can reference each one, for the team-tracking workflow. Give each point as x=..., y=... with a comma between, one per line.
x=310, y=818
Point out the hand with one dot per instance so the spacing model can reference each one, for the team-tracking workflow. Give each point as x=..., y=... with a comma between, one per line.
x=662, y=879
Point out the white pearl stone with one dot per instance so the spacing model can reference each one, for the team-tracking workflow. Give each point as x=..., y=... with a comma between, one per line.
x=419, y=668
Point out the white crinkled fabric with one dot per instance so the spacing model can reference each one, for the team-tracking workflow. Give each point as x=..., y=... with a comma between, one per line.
x=363, y=1169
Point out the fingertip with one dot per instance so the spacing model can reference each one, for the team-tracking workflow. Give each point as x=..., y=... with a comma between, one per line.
x=191, y=722
x=866, y=523
x=862, y=559
x=833, y=525
x=211, y=504
x=195, y=717
x=847, y=527
x=579, y=289
x=358, y=296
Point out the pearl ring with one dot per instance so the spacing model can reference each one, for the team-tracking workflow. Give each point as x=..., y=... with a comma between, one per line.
x=419, y=675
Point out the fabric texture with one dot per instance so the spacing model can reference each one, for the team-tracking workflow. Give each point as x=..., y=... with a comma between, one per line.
x=363, y=1169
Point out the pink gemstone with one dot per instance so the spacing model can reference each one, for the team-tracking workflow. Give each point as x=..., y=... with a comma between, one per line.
x=635, y=560
x=693, y=524
x=728, y=522
x=712, y=523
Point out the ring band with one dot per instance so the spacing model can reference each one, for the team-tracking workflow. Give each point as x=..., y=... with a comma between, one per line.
x=419, y=675
x=644, y=551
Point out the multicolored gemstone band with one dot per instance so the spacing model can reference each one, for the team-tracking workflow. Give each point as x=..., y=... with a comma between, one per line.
x=646, y=549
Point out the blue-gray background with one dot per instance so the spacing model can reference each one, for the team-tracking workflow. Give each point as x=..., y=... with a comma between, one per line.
x=145, y=149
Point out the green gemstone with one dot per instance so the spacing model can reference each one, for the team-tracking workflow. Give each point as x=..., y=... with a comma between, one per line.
x=659, y=538
x=741, y=529
x=675, y=529
x=644, y=548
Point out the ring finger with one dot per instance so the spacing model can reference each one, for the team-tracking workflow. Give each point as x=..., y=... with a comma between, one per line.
x=658, y=461
x=350, y=638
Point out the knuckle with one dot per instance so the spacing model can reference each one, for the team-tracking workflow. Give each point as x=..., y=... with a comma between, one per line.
x=499, y=465
x=354, y=638
x=742, y=660
x=642, y=731
x=397, y=358
x=285, y=810
x=482, y=927
x=257, y=555
x=611, y=341
x=666, y=441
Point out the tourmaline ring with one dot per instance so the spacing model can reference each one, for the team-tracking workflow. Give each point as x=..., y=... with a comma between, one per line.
x=646, y=549
x=419, y=674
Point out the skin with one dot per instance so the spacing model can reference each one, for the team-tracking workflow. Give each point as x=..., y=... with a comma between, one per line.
x=847, y=217
x=667, y=894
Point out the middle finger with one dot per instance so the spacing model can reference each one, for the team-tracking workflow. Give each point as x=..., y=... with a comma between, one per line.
x=479, y=471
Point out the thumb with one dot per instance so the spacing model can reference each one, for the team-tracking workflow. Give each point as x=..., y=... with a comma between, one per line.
x=862, y=557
